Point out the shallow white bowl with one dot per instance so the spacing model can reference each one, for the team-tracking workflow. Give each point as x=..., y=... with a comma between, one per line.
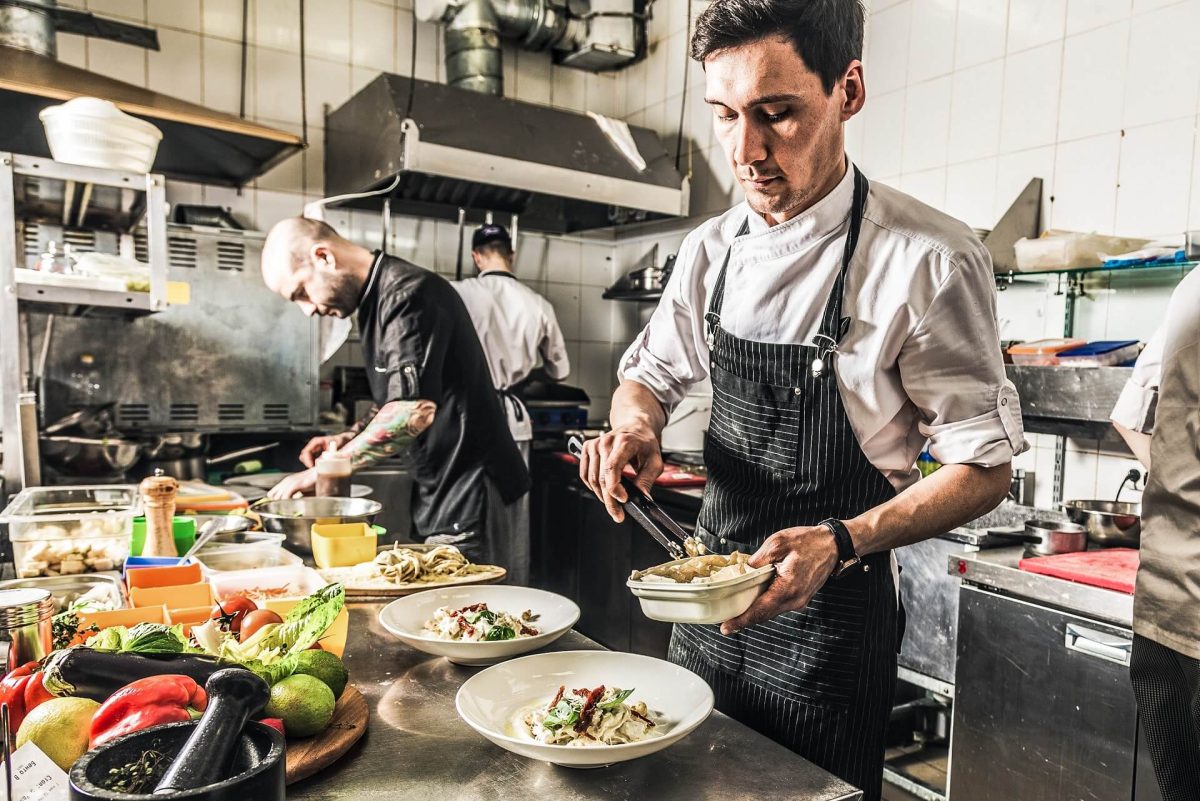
x=406, y=618
x=494, y=701
x=701, y=603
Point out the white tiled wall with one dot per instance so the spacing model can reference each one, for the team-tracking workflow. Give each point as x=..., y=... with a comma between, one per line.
x=968, y=100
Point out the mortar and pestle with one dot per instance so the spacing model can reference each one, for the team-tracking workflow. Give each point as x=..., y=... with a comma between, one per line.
x=220, y=757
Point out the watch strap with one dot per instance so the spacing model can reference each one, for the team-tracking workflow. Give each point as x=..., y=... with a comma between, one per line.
x=847, y=557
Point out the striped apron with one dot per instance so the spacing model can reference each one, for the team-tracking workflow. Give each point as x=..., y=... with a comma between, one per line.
x=780, y=452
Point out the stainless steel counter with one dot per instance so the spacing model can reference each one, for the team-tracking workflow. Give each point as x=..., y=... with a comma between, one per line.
x=997, y=568
x=418, y=748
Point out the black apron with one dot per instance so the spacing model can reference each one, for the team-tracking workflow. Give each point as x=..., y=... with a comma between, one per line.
x=780, y=452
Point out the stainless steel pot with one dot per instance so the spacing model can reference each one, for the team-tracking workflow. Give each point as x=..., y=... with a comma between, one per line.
x=294, y=518
x=1050, y=537
x=1108, y=523
x=85, y=456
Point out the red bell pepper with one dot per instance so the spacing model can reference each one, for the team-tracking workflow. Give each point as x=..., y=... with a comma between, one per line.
x=274, y=723
x=22, y=690
x=144, y=703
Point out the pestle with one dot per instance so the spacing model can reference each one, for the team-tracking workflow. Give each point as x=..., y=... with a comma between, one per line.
x=234, y=695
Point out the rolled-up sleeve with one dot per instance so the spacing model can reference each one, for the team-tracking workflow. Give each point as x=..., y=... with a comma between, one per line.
x=670, y=354
x=1139, y=397
x=952, y=370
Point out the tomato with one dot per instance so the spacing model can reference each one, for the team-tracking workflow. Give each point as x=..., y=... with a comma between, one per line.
x=231, y=611
x=255, y=620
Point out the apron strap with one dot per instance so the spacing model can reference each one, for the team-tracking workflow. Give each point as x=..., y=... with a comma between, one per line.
x=833, y=325
x=712, y=318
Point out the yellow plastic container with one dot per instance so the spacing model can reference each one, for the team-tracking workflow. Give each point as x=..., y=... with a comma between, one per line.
x=342, y=544
x=334, y=638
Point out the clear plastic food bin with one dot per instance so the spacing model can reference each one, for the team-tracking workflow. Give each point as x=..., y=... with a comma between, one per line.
x=69, y=530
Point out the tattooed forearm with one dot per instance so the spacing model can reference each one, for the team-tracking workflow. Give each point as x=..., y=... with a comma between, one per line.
x=392, y=429
x=359, y=425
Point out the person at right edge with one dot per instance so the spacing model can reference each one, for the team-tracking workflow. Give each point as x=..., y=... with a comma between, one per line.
x=1158, y=415
x=844, y=325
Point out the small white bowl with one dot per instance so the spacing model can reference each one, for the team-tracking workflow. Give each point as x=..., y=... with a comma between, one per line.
x=406, y=618
x=494, y=701
x=705, y=603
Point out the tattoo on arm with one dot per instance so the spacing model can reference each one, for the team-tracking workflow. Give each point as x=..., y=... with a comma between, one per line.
x=359, y=425
x=392, y=429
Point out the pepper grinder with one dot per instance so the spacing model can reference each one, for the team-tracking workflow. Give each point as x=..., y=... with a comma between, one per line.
x=158, y=500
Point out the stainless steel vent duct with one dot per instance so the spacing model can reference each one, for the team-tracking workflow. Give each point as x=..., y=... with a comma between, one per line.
x=596, y=35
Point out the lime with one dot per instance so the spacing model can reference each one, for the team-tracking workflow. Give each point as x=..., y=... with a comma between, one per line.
x=326, y=667
x=60, y=727
x=304, y=704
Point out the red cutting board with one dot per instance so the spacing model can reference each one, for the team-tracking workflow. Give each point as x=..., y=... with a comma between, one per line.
x=1111, y=568
x=672, y=475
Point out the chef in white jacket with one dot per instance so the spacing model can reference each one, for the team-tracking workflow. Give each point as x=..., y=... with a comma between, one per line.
x=844, y=326
x=518, y=329
x=517, y=326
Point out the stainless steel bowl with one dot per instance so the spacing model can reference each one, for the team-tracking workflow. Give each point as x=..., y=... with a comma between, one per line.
x=294, y=518
x=1050, y=537
x=1108, y=523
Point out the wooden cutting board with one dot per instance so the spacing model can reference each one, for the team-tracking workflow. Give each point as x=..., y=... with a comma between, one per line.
x=306, y=757
x=1111, y=568
x=357, y=588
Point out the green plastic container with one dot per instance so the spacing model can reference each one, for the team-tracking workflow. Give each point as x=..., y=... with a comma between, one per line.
x=183, y=531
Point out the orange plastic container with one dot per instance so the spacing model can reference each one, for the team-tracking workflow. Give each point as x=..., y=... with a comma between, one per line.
x=147, y=577
x=117, y=617
x=1042, y=352
x=182, y=596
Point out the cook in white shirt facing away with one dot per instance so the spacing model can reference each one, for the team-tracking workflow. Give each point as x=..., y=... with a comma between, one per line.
x=844, y=326
x=517, y=326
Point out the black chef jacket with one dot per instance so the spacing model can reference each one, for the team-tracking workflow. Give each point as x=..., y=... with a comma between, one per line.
x=419, y=343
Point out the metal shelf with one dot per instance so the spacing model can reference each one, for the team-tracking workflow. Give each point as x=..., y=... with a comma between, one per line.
x=1127, y=272
x=635, y=295
x=78, y=302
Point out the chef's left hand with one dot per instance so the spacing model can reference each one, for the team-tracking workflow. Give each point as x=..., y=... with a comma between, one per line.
x=297, y=483
x=804, y=558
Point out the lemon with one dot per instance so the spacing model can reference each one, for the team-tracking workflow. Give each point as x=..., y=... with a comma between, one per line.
x=326, y=667
x=60, y=727
x=304, y=704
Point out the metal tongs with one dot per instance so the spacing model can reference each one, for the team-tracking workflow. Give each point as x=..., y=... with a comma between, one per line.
x=649, y=515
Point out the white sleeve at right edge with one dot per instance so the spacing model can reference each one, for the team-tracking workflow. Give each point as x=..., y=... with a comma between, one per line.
x=1136, y=404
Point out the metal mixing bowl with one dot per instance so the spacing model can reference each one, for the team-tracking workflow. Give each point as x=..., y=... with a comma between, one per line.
x=294, y=518
x=1108, y=523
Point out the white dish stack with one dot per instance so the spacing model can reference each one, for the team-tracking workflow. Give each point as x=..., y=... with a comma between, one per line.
x=92, y=132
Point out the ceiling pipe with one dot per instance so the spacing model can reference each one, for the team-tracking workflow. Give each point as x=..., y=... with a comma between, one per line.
x=473, y=59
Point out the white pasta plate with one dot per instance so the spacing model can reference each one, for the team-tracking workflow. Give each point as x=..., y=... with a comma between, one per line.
x=495, y=701
x=405, y=618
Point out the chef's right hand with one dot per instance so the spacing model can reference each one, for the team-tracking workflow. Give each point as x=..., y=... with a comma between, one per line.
x=318, y=445
x=606, y=456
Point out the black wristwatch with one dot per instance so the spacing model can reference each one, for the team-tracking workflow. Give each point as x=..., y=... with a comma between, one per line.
x=847, y=559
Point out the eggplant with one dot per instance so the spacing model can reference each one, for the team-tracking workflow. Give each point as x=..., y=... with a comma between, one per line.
x=87, y=673
x=207, y=756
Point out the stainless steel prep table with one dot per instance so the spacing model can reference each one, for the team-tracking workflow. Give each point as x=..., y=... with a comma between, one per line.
x=418, y=748
x=997, y=569
x=1043, y=705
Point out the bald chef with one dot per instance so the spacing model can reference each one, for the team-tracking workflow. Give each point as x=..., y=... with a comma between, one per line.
x=844, y=325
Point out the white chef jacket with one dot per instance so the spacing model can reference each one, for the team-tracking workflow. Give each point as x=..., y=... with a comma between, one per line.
x=516, y=327
x=921, y=361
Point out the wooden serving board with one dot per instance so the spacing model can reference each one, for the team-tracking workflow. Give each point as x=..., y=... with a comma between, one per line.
x=357, y=587
x=306, y=757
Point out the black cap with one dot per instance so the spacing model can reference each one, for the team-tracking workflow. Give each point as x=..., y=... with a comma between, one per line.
x=487, y=234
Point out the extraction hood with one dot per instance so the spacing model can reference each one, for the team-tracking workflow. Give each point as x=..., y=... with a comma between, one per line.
x=198, y=144
x=445, y=148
